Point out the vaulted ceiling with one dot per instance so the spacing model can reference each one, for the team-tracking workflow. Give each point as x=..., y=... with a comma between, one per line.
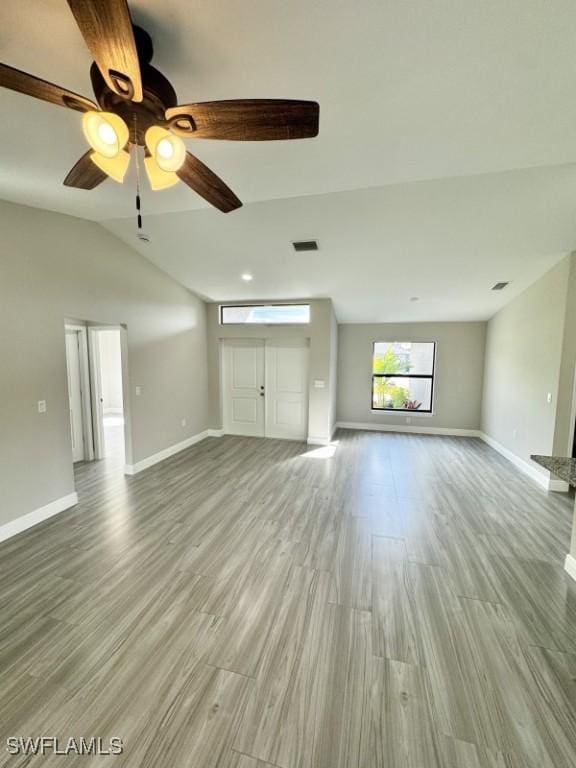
x=445, y=161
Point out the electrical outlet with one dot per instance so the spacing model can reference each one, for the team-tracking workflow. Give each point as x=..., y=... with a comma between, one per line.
x=183, y=423
x=549, y=397
x=42, y=406
x=138, y=391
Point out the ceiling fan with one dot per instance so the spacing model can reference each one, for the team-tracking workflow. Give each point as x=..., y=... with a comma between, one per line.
x=137, y=106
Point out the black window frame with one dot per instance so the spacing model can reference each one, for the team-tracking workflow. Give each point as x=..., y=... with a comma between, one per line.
x=430, y=376
x=266, y=304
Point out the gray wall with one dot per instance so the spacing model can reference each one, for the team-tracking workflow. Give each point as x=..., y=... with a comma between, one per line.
x=320, y=332
x=458, y=380
x=54, y=267
x=524, y=357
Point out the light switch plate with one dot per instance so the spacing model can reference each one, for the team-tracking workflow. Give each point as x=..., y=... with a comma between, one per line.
x=138, y=391
x=319, y=383
x=42, y=406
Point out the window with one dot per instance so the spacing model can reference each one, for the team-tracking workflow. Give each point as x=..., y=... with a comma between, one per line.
x=272, y=314
x=403, y=376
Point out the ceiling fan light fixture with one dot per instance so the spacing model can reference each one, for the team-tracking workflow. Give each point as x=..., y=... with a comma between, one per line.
x=168, y=151
x=115, y=167
x=106, y=132
x=158, y=177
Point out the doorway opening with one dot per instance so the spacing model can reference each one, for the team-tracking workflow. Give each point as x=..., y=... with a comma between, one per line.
x=110, y=401
x=265, y=387
x=95, y=393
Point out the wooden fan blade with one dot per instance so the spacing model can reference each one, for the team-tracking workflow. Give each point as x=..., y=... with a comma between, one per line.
x=246, y=119
x=85, y=174
x=41, y=89
x=209, y=186
x=106, y=26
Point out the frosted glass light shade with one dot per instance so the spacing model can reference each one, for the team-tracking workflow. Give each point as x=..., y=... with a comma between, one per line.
x=168, y=150
x=115, y=167
x=106, y=133
x=158, y=178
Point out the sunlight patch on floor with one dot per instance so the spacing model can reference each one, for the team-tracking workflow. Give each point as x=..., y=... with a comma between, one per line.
x=324, y=452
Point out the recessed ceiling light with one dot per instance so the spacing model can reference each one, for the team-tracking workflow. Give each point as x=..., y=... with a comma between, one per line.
x=247, y=277
x=415, y=298
x=500, y=286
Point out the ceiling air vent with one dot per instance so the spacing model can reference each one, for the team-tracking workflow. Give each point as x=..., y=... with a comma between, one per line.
x=305, y=245
x=500, y=286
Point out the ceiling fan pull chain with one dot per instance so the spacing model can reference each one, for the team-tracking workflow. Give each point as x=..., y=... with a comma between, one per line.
x=138, y=206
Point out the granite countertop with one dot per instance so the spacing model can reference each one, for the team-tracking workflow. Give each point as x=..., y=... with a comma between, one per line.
x=562, y=466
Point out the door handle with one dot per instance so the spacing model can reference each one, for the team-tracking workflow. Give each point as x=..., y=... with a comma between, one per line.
x=262, y=393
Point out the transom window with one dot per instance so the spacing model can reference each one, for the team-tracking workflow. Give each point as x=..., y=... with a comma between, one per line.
x=267, y=314
x=403, y=376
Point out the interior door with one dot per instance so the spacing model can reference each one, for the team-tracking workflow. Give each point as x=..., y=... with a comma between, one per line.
x=243, y=387
x=97, y=399
x=75, y=395
x=287, y=389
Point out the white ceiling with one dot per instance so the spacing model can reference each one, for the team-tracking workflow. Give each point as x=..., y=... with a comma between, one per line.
x=459, y=95
x=446, y=242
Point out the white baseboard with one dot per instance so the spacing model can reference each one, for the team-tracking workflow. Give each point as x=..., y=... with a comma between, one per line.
x=149, y=461
x=528, y=469
x=215, y=432
x=570, y=566
x=113, y=412
x=560, y=486
x=413, y=428
x=37, y=516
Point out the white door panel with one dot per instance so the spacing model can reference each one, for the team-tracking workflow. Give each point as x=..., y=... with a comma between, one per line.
x=97, y=398
x=287, y=389
x=245, y=410
x=243, y=386
x=287, y=413
x=75, y=395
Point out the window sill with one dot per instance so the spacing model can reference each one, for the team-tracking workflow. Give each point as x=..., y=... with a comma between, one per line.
x=384, y=412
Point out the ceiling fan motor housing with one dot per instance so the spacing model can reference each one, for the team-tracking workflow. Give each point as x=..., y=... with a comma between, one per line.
x=158, y=93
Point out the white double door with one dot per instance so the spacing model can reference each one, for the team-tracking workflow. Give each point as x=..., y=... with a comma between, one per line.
x=265, y=387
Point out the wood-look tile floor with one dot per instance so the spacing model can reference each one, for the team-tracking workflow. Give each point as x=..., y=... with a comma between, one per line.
x=251, y=603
